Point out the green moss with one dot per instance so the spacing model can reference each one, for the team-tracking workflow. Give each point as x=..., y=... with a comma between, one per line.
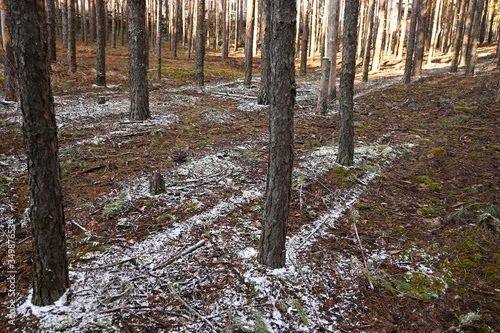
x=490, y=271
x=495, y=147
x=436, y=186
x=115, y=207
x=465, y=108
x=424, y=180
x=438, y=152
x=428, y=210
x=476, y=258
x=399, y=228
x=477, y=154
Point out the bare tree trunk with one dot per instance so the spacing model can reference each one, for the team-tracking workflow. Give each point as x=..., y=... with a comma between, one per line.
x=71, y=36
x=158, y=40
x=249, y=43
x=200, y=44
x=467, y=32
x=491, y=21
x=279, y=175
x=410, y=51
x=380, y=35
x=83, y=22
x=458, y=38
x=437, y=13
x=402, y=37
x=369, y=40
x=51, y=29
x=305, y=40
x=346, y=101
x=92, y=19
x=137, y=48
x=50, y=263
x=418, y=59
x=264, y=97
x=472, y=53
x=224, y=24
x=100, y=44
x=64, y=16
x=332, y=47
x=114, y=20
x=322, y=105
x=9, y=62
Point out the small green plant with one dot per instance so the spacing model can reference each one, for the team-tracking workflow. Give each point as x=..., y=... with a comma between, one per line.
x=300, y=309
x=166, y=218
x=117, y=206
x=477, y=154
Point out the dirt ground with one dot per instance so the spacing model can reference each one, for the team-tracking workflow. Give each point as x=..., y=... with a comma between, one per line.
x=435, y=204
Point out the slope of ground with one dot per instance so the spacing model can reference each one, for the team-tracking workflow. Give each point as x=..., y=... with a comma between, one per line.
x=406, y=240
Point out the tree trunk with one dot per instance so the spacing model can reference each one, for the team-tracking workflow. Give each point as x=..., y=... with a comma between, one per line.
x=200, y=44
x=418, y=59
x=9, y=62
x=434, y=33
x=158, y=40
x=346, y=101
x=83, y=21
x=402, y=37
x=64, y=19
x=305, y=40
x=491, y=21
x=51, y=30
x=368, y=41
x=100, y=43
x=265, y=64
x=380, y=35
x=467, y=32
x=224, y=24
x=50, y=264
x=71, y=36
x=458, y=38
x=322, y=105
x=410, y=50
x=92, y=19
x=137, y=49
x=249, y=43
x=472, y=53
x=279, y=175
x=114, y=19
x=332, y=47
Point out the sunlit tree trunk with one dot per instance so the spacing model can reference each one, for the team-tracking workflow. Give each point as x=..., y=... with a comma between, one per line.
x=467, y=31
x=458, y=37
x=402, y=36
x=377, y=53
x=346, y=99
x=369, y=40
x=418, y=59
x=279, y=175
x=50, y=263
x=472, y=52
x=224, y=25
x=265, y=65
x=305, y=42
x=332, y=47
x=491, y=21
x=434, y=32
x=410, y=50
x=249, y=42
x=137, y=48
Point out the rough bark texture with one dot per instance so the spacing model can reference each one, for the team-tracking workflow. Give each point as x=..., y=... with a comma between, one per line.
x=100, y=43
x=51, y=29
x=265, y=63
x=348, y=71
x=458, y=38
x=369, y=40
x=410, y=51
x=50, y=264
x=472, y=53
x=279, y=174
x=332, y=47
x=137, y=49
x=200, y=44
x=71, y=36
x=322, y=105
x=9, y=69
x=249, y=43
x=224, y=32
x=418, y=59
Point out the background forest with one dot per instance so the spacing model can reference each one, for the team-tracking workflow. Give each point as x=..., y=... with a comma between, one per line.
x=164, y=183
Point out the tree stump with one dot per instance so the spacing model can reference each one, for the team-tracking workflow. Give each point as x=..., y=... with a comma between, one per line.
x=101, y=99
x=156, y=183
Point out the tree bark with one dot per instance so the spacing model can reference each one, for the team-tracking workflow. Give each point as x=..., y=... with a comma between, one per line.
x=249, y=43
x=458, y=37
x=402, y=37
x=138, y=39
x=418, y=59
x=279, y=175
x=51, y=29
x=50, y=264
x=346, y=101
x=332, y=47
x=71, y=36
x=472, y=53
x=322, y=105
x=158, y=40
x=9, y=62
x=377, y=53
x=369, y=40
x=100, y=43
x=467, y=32
x=64, y=19
x=305, y=42
x=224, y=32
x=265, y=64
x=410, y=50
x=200, y=44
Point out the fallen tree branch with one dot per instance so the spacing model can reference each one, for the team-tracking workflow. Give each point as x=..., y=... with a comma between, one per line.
x=182, y=254
x=102, y=267
x=363, y=255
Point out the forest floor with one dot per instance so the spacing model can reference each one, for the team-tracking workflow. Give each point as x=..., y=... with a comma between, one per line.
x=406, y=240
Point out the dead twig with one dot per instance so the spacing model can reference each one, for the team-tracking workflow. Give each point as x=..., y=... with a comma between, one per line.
x=363, y=255
x=182, y=254
x=102, y=267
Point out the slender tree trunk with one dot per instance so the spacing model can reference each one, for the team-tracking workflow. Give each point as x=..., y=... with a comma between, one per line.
x=114, y=22
x=64, y=17
x=492, y=19
x=418, y=59
x=402, y=37
x=380, y=35
x=346, y=101
x=71, y=36
x=200, y=44
x=83, y=22
x=100, y=43
x=434, y=33
x=265, y=65
x=332, y=47
x=50, y=264
x=137, y=48
x=467, y=32
x=158, y=40
x=322, y=105
x=484, y=22
x=51, y=29
x=458, y=37
x=224, y=24
x=279, y=175
x=249, y=43
x=476, y=27
x=369, y=40
x=92, y=19
x=410, y=51
x=9, y=62
x=305, y=40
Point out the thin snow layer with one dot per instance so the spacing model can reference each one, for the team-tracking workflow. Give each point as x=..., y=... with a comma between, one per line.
x=129, y=275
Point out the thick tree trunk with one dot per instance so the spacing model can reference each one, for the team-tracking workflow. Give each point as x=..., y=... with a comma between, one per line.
x=265, y=64
x=100, y=43
x=71, y=36
x=50, y=264
x=9, y=62
x=200, y=44
x=467, y=32
x=279, y=175
x=137, y=49
x=249, y=43
x=346, y=101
